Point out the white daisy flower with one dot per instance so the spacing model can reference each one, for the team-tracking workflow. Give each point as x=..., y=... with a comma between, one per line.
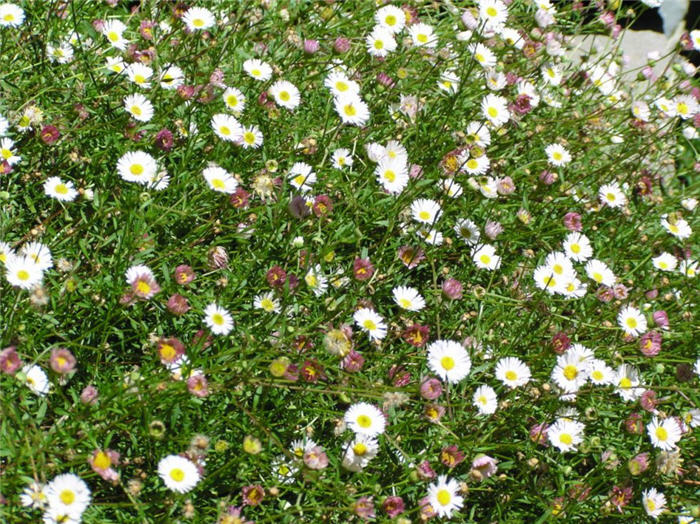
x=316, y=280
x=474, y=165
x=632, y=321
x=61, y=53
x=485, y=257
x=139, y=74
x=68, y=493
x=198, y=19
x=139, y=107
x=392, y=174
x=611, y=195
x=22, y=271
x=444, y=497
x=371, y=322
x=114, y=31
x=467, y=231
x=557, y=155
x=342, y=158
x=665, y=262
x=679, y=228
x=425, y=211
x=565, y=434
x=391, y=18
x=220, y=180
x=60, y=190
x=267, y=302
x=551, y=74
x=577, y=247
x=257, y=69
x=689, y=268
x=37, y=381
x=654, y=502
x=226, y=127
x=485, y=400
x=115, y=64
x=302, y=177
x=218, y=320
x=178, y=473
x=234, y=99
x=571, y=372
x=495, y=109
x=483, y=55
x=601, y=273
x=627, y=383
x=34, y=496
x=137, y=166
x=285, y=94
x=251, y=137
x=600, y=373
x=11, y=15
x=352, y=110
x=493, y=13
x=365, y=419
x=172, y=78
x=8, y=153
x=449, y=360
x=380, y=42
x=478, y=133
x=664, y=434
x=513, y=372
x=422, y=35
x=408, y=298
x=340, y=84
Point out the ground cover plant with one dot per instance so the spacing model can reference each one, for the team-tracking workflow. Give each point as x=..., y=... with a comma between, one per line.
x=343, y=261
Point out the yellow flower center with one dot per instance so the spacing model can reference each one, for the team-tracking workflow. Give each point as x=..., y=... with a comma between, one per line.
x=218, y=319
x=472, y=163
x=570, y=372
x=102, y=460
x=447, y=363
x=511, y=375
x=610, y=197
x=479, y=58
x=113, y=36
x=136, y=110
x=284, y=96
x=23, y=275
x=443, y=497
x=249, y=137
x=61, y=189
x=663, y=265
x=198, y=22
x=493, y=112
x=597, y=375
x=598, y=277
x=167, y=351
x=139, y=79
x=389, y=175
x=378, y=44
x=565, y=438
x=364, y=421
x=218, y=183
x=224, y=130
x=232, y=101
x=6, y=153
x=683, y=108
x=631, y=322
x=67, y=496
x=673, y=228
x=661, y=433
x=256, y=72
x=651, y=506
x=359, y=449
x=350, y=110
x=485, y=259
x=557, y=155
x=575, y=248
x=625, y=383
x=424, y=215
x=369, y=325
x=422, y=38
x=267, y=304
x=143, y=287
x=482, y=400
x=136, y=169
x=405, y=303
x=390, y=20
x=177, y=474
